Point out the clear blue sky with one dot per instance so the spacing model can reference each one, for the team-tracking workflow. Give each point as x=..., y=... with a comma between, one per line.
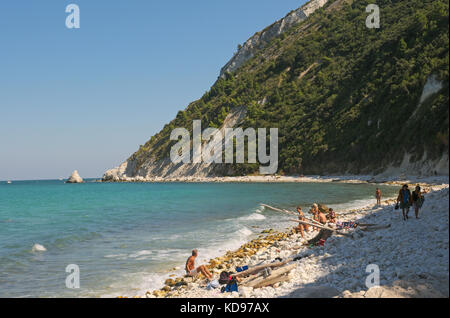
x=87, y=98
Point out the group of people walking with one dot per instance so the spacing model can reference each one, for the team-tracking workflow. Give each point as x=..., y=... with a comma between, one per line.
x=406, y=199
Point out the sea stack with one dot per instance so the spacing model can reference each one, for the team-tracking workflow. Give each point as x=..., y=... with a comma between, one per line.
x=75, y=178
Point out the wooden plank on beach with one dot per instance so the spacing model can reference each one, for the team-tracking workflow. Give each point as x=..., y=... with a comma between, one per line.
x=258, y=268
x=289, y=212
x=271, y=279
x=276, y=209
x=323, y=227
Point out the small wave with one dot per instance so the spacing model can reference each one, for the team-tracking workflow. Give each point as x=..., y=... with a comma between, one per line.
x=117, y=256
x=140, y=253
x=169, y=253
x=253, y=217
x=353, y=205
x=260, y=209
x=244, y=232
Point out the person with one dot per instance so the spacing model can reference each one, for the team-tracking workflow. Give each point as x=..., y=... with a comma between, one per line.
x=331, y=216
x=192, y=271
x=321, y=217
x=315, y=212
x=405, y=200
x=324, y=233
x=417, y=199
x=378, y=196
x=301, y=227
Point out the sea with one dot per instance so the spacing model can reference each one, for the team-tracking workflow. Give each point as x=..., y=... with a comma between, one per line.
x=122, y=239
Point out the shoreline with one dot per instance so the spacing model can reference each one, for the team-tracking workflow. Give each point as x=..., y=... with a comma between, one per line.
x=271, y=244
x=394, y=180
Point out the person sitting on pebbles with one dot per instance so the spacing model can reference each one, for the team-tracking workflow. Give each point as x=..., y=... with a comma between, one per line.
x=331, y=216
x=301, y=227
x=192, y=271
x=322, y=218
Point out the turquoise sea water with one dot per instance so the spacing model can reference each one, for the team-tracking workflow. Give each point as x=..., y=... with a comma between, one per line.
x=125, y=237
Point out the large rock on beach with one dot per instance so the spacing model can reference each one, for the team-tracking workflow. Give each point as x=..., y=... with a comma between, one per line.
x=75, y=178
x=323, y=208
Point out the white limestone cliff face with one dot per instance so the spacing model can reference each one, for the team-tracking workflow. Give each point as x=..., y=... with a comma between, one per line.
x=157, y=170
x=260, y=39
x=75, y=178
x=432, y=86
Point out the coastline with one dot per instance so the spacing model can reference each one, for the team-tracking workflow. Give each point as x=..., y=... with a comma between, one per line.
x=333, y=270
x=379, y=179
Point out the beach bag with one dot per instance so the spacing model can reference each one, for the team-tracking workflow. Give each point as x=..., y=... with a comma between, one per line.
x=230, y=287
x=397, y=206
x=224, y=277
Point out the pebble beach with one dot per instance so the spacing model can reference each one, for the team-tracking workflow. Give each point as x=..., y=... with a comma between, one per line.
x=412, y=257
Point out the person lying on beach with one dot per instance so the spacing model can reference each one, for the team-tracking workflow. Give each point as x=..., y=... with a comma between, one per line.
x=301, y=227
x=192, y=271
x=331, y=216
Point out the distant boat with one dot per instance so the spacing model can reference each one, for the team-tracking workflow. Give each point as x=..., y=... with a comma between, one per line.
x=8, y=182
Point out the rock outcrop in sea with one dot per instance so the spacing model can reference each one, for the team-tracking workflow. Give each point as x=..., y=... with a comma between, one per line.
x=75, y=178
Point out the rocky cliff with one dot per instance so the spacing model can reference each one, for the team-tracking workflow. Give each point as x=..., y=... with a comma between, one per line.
x=346, y=99
x=262, y=38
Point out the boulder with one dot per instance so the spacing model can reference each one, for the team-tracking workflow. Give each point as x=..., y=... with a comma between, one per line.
x=323, y=208
x=75, y=178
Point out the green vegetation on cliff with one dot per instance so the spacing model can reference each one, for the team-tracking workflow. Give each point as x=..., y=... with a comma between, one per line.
x=344, y=97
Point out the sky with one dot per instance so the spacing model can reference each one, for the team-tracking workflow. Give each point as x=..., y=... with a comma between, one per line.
x=85, y=99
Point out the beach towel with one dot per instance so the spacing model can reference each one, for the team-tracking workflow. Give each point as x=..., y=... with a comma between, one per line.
x=345, y=225
x=241, y=268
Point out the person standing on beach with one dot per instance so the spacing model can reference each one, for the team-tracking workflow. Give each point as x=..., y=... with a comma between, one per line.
x=192, y=271
x=315, y=212
x=301, y=227
x=378, y=196
x=405, y=200
x=417, y=199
